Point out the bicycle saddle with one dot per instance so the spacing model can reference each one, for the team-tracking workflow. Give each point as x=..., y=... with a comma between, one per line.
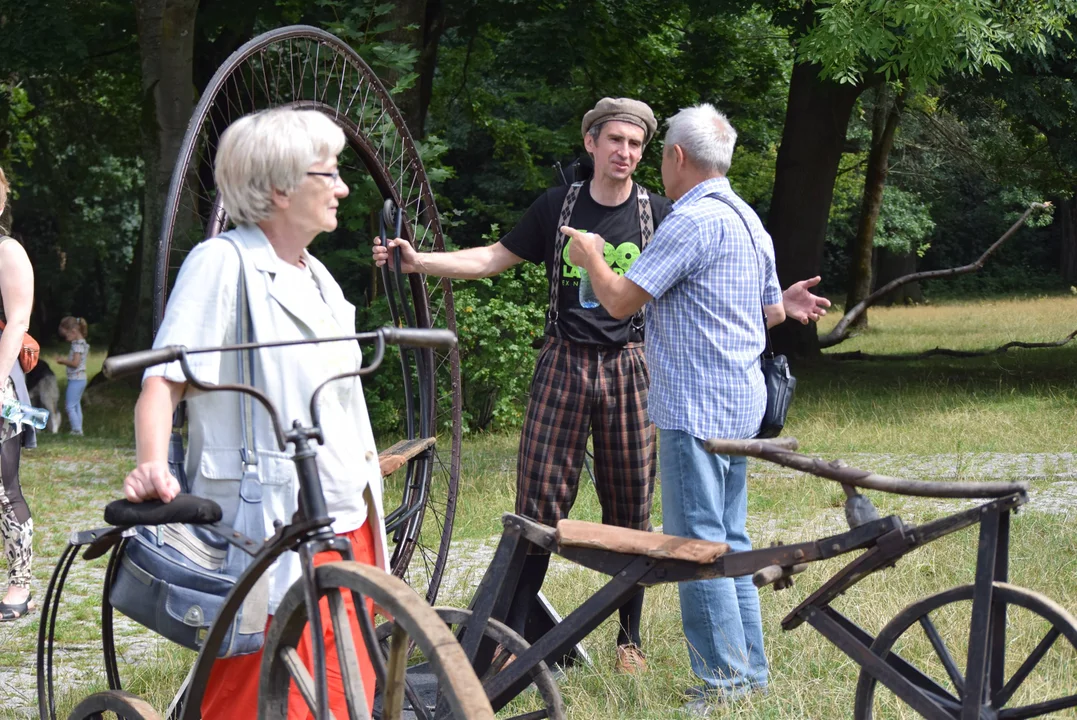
x=184, y=508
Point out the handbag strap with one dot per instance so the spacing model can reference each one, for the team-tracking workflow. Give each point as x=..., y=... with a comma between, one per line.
x=768, y=350
x=245, y=334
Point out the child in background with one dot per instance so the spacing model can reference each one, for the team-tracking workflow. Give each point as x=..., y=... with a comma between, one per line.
x=73, y=330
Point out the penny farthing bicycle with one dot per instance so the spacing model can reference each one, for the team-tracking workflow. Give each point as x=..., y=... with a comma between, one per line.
x=309, y=68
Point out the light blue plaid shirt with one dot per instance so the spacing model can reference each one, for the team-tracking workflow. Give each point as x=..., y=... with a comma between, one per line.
x=705, y=327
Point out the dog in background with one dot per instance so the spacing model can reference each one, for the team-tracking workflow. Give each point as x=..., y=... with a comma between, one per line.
x=45, y=392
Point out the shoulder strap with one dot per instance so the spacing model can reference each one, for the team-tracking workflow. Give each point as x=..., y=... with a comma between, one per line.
x=245, y=334
x=646, y=232
x=646, y=217
x=755, y=247
x=559, y=241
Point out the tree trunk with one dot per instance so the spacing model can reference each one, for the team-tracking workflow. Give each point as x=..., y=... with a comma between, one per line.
x=5, y=138
x=166, y=46
x=1067, y=218
x=813, y=140
x=884, y=124
x=419, y=24
x=890, y=265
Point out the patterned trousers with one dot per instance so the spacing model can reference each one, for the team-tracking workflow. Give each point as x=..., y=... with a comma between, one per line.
x=579, y=390
x=16, y=525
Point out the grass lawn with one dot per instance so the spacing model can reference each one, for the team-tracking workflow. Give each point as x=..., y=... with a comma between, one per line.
x=957, y=415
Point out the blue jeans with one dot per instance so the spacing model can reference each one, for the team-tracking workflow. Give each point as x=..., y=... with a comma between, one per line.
x=73, y=401
x=705, y=496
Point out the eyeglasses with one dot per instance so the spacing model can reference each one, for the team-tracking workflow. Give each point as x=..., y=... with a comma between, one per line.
x=333, y=176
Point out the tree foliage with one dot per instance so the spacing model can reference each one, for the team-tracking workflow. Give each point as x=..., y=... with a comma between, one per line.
x=919, y=42
x=501, y=86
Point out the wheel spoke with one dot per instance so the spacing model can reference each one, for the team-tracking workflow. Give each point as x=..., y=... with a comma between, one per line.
x=943, y=654
x=535, y=715
x=1003, y=696
x=393, y=703
x=1039, y=709
x=300, y=676
x=347, y=654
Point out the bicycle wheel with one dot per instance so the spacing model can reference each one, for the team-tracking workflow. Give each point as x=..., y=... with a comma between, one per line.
x=309, y=68
x=416, y=625
x=425, y=693
x=1034, y=675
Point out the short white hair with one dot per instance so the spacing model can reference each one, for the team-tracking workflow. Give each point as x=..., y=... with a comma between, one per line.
x=267, y=151
x=705, y=135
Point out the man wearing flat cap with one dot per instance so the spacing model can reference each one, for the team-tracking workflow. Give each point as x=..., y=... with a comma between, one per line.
x=591, y=377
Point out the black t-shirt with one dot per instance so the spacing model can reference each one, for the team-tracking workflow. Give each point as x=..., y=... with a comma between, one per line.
x=533, y=239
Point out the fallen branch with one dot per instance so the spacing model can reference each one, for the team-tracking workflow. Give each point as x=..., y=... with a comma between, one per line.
x=841, y=330
x=838, y=471
x=860, y=355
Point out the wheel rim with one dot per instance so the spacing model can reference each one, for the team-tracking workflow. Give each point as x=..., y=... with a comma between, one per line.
x=417, y=625
x=927, y=631
x=113, y=704
x=309, y=68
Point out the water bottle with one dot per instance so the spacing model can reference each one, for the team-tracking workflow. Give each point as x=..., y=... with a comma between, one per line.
x=588, y=299
x=20, y=414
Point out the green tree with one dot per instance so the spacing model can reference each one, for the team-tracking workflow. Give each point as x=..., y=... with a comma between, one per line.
x=847, y=46
x=68, y=138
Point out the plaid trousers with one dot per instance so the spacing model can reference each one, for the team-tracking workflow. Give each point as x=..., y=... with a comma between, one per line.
x=577, y=390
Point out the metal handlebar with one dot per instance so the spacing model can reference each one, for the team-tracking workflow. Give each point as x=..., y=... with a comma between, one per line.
x=119, y=365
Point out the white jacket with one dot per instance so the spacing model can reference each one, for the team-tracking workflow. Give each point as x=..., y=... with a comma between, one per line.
x=201, y=312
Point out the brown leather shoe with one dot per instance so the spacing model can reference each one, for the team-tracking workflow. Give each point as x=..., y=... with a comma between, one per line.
x=630, y=660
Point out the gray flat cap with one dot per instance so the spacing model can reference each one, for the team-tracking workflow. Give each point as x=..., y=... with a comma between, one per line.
x=624, y=109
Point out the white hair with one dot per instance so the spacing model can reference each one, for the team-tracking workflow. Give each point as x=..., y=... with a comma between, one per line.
x=267, y=151
x=705, y=135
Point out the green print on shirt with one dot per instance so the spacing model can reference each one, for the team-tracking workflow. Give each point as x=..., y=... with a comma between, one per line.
x=619, y=258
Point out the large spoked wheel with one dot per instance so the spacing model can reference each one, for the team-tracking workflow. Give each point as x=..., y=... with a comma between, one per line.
x=1034, y=675
x=49, y=650
x=424, y=694
x=113, y=704
x=309, y=68
x=416, y=625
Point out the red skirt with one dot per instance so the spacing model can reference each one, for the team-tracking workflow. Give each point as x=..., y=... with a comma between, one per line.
x=232, y=691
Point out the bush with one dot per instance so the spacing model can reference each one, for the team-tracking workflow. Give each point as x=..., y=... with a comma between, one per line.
x=497, y=322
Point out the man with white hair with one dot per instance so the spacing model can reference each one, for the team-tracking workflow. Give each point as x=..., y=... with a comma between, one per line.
x=708, y=279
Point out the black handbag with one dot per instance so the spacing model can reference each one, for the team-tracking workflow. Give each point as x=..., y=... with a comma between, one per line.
x=777, y=376
x=780, y=387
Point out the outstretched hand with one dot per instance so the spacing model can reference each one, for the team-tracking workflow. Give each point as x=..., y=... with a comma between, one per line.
x=409, y=259
x=801, y=305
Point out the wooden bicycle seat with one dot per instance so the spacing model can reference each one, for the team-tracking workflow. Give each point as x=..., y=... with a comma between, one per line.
x=577, y=533
x=393, y=458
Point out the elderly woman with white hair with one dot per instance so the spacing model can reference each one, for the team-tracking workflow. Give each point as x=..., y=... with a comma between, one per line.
x=277, y=174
